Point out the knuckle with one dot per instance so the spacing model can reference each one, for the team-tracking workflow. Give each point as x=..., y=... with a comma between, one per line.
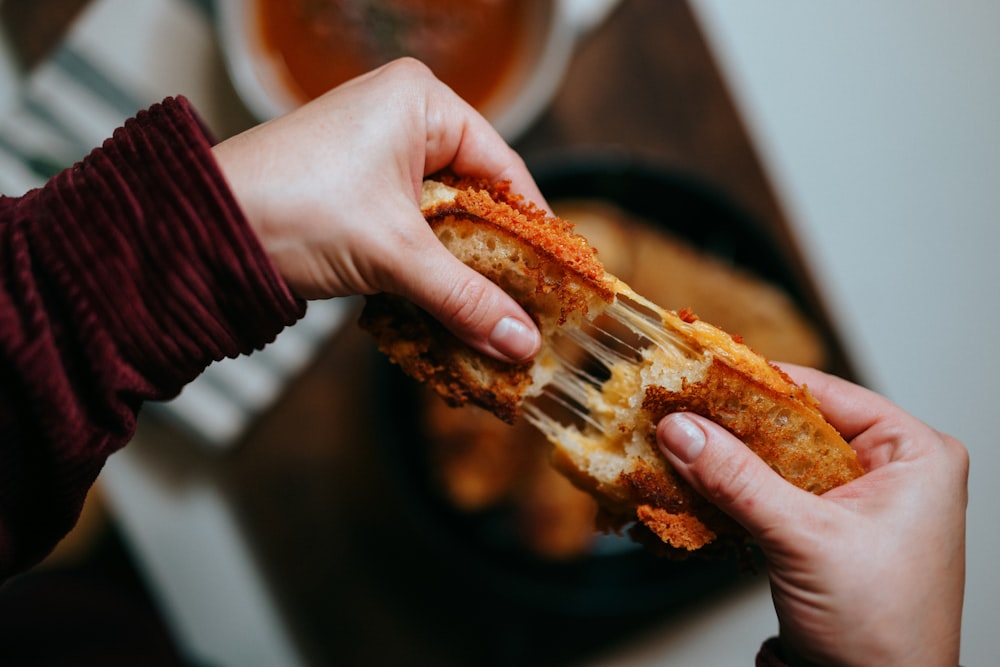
x=467, y=303
x=407, y=68
x=734, y=483
x=959, y=451
x=959, y=456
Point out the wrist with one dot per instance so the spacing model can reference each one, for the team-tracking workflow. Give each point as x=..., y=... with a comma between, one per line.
x=888, y=650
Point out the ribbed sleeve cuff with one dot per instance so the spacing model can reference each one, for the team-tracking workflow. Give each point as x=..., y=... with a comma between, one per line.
x=164, y=259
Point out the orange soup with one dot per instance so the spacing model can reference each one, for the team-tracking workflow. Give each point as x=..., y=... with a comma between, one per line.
x=469, y=44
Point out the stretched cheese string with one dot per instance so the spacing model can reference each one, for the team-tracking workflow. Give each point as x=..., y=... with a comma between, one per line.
x=577, y=391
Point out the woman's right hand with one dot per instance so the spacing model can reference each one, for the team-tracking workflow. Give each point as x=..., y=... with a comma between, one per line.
x=332, y=191
x=870, y=573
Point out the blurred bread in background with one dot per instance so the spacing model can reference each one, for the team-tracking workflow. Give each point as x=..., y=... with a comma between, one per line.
x=674, y=274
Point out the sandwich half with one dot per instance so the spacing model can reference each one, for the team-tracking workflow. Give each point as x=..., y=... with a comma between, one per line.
x=612, y=364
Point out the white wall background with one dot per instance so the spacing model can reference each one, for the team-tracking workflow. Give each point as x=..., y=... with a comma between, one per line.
x=879, y=123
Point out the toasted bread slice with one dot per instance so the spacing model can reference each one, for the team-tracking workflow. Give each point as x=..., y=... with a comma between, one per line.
x=612, y=364
x=552, y=272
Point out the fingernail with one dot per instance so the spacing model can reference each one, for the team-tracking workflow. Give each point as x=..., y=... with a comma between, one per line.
x=514, y=339
x=683, y=437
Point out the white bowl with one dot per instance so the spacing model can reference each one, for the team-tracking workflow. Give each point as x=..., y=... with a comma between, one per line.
x=552, y=30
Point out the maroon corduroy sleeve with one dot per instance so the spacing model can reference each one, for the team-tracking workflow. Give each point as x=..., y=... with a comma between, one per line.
x=770, y=654
x=120, y=281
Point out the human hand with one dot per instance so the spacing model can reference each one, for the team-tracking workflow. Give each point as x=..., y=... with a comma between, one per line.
x=870, y=573
x=333, y=189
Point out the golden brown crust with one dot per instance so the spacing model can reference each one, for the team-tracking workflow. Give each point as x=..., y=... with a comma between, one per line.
x=551, y=237
x=429, y=353
x=681, y=530
x=786, y=429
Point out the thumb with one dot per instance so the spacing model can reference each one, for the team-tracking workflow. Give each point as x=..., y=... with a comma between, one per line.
x=475, y=309
x=727, y=472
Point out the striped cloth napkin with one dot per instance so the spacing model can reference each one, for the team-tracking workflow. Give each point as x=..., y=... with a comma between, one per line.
x=119, y=57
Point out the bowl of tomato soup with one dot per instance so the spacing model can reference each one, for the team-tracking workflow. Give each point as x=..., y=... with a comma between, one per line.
x=505, y=57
